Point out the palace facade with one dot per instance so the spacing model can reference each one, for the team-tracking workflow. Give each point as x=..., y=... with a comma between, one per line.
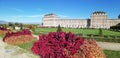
x=97, y=19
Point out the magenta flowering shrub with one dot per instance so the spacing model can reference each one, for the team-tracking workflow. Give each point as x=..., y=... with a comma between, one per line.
x=66, y=45
x=3, y=28
x=20, y=37
x=23, y=32
x=54, y=45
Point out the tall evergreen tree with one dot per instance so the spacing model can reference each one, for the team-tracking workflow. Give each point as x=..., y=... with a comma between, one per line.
x=10, y=24
x=100, y=32
x=59, y=28
x=21, y=26
x=13, y=27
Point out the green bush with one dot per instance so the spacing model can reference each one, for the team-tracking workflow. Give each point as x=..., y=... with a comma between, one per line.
x=59, y=28
x=100, y=32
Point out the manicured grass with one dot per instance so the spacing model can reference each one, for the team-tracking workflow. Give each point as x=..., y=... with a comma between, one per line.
x=27, y=46
x=113, y=33
x=2, y=35
x=77, y=31
x=112, y=54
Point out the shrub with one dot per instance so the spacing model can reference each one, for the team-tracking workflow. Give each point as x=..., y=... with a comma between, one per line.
x=53, y=44
x=59, y=28
x=16, y=40
x=13, y=27
x=115, y=28
x=100, y=32
x=19, y=37
x=4, y=30
x=65, y=45
x=91, y=50
x=21, y=27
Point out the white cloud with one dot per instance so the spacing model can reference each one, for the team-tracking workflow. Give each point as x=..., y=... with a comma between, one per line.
x=63, y=16
x=18, y=10
x=33, y=16
x=28, y=16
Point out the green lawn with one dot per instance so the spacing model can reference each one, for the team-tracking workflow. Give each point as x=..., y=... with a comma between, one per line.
x=112, y=54
x=2, y=35
x=77, y=31
x=27, y=46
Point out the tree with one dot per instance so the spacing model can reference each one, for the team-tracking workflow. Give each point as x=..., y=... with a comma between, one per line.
x=1, y=24
x=17, y=24
x=13, y=27
x=5, y=25
x=59, y=28
x=10, y=24
x=21, y=26
x=115, y=28
x=100, y=32
x=118, y=24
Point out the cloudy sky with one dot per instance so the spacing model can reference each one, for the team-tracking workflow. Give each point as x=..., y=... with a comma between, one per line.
x=33, y=10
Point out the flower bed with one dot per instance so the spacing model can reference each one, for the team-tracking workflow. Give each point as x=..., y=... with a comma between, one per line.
x=19, y=37
x=66, y=45
x=89, y=49
x=4, y=30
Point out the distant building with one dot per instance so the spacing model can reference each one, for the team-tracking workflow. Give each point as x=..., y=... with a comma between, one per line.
x=98, y=19
x=17, y=28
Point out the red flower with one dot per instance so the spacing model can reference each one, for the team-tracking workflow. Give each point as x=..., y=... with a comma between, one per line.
x=53, y=45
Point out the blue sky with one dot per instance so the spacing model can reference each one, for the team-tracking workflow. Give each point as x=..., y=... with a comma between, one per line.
x=33, y=10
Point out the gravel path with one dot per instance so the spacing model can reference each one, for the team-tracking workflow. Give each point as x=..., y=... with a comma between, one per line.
x=109, y=46
x=8, y=51
x=36, y=36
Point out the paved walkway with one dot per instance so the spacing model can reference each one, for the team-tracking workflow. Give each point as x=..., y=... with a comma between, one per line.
x=8, y=51
x=109, y=46
x=36, y=36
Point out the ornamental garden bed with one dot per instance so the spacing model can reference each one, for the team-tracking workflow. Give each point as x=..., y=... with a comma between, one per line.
x=66, y=45
x=20, y=37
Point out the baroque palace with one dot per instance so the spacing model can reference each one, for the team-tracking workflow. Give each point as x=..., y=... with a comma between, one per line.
x=97, y=19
